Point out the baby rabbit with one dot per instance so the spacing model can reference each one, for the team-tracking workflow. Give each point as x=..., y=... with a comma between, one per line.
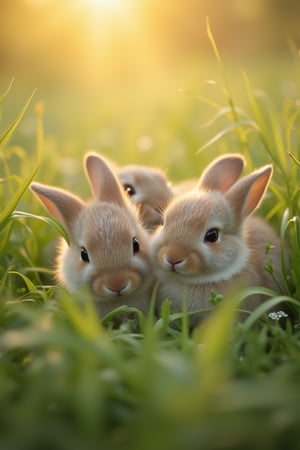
x=148, y=188
x=108, y=251
x=209, y=242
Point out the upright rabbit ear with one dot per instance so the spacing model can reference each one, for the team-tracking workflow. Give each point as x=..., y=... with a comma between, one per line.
x=247, y=193
x=62, y=206
x=222, y=173
x=104, y=184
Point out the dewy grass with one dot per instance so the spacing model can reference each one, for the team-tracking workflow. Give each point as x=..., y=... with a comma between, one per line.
x=71, y=381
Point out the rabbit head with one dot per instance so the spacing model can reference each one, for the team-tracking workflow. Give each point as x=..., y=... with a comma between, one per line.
x=204, y=241
x=200, y=236
x=108, y=251
x=149, y=189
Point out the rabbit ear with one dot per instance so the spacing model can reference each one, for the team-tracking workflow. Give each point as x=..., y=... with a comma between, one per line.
x=247, y=193
x=222, y=173
x=104, y=184
x=62, y=206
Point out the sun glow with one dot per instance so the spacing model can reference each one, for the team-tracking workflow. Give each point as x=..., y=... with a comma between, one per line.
x=102, y=4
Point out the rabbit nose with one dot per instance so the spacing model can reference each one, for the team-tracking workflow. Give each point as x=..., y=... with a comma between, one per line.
x=174, y=263
x=118, y=290
x=116, y=284
x=172, y=259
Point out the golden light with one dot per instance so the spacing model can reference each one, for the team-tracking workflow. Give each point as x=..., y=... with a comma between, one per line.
x=102, y=4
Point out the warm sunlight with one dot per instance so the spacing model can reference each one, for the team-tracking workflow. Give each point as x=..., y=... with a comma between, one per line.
x=108, y=5
x=105, y=3
x=98, y=41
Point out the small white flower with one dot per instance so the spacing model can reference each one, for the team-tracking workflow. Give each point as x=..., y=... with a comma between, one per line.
x=277, y=315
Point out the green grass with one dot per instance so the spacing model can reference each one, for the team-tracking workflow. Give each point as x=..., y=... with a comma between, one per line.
x=70, y=381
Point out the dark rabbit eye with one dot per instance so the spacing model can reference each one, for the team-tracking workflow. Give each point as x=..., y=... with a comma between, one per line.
x=129, y=189
x=135, y=245
x=211, y=235
x=84, y=255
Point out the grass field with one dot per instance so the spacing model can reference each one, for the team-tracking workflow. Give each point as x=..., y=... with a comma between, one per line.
x=70, y=381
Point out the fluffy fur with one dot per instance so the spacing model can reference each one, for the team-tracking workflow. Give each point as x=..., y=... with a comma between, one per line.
x=189, y=263
x=107, y=233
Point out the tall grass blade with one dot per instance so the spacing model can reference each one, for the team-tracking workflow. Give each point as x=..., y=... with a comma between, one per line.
x=294, y=159
x=83, y=316
x=225, y=131
x=4, y=279
x=3, y=96
x=7, y=212
x=52, y=222
x=213, y=338
x=29, y=284
x=215, y=49
x=8, y=133
x=226, y=89
x=184, y=325
x=40, y=137
x=222, y=112
x=260, y=120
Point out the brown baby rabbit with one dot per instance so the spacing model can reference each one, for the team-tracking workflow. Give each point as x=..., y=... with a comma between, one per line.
x=108, y=251
x=209, y=242
x=149, y=189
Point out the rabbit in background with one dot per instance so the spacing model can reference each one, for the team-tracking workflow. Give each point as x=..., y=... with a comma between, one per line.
x=210, y=241
x=148, y=188
x=108, y=251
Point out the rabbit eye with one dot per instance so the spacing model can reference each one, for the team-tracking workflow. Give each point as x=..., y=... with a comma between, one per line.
x=129, y=189
x=211, y=235
x=135, y=245
x=84, y=255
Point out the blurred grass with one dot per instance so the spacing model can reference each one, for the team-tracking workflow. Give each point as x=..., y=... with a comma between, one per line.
x=70, y=381
x=171, y=108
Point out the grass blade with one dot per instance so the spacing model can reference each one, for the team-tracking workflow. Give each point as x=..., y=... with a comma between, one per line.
x=215, y=47
x=3, y=96
x=223, y=112
x=225, y=131
x=40, y=137
x=29, y=284
x=53, y=223
x=7, y=134
x=241, y=136
x=266, y=307
x=7, y=212
x=294, y=159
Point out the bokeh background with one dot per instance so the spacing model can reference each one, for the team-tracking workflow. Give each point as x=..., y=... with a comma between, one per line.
x=125, y=76
x=74, y=43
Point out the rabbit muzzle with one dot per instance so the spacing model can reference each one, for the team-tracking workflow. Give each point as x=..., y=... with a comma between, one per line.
x=116, y=284
x=177, y=259
x=172, y=264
